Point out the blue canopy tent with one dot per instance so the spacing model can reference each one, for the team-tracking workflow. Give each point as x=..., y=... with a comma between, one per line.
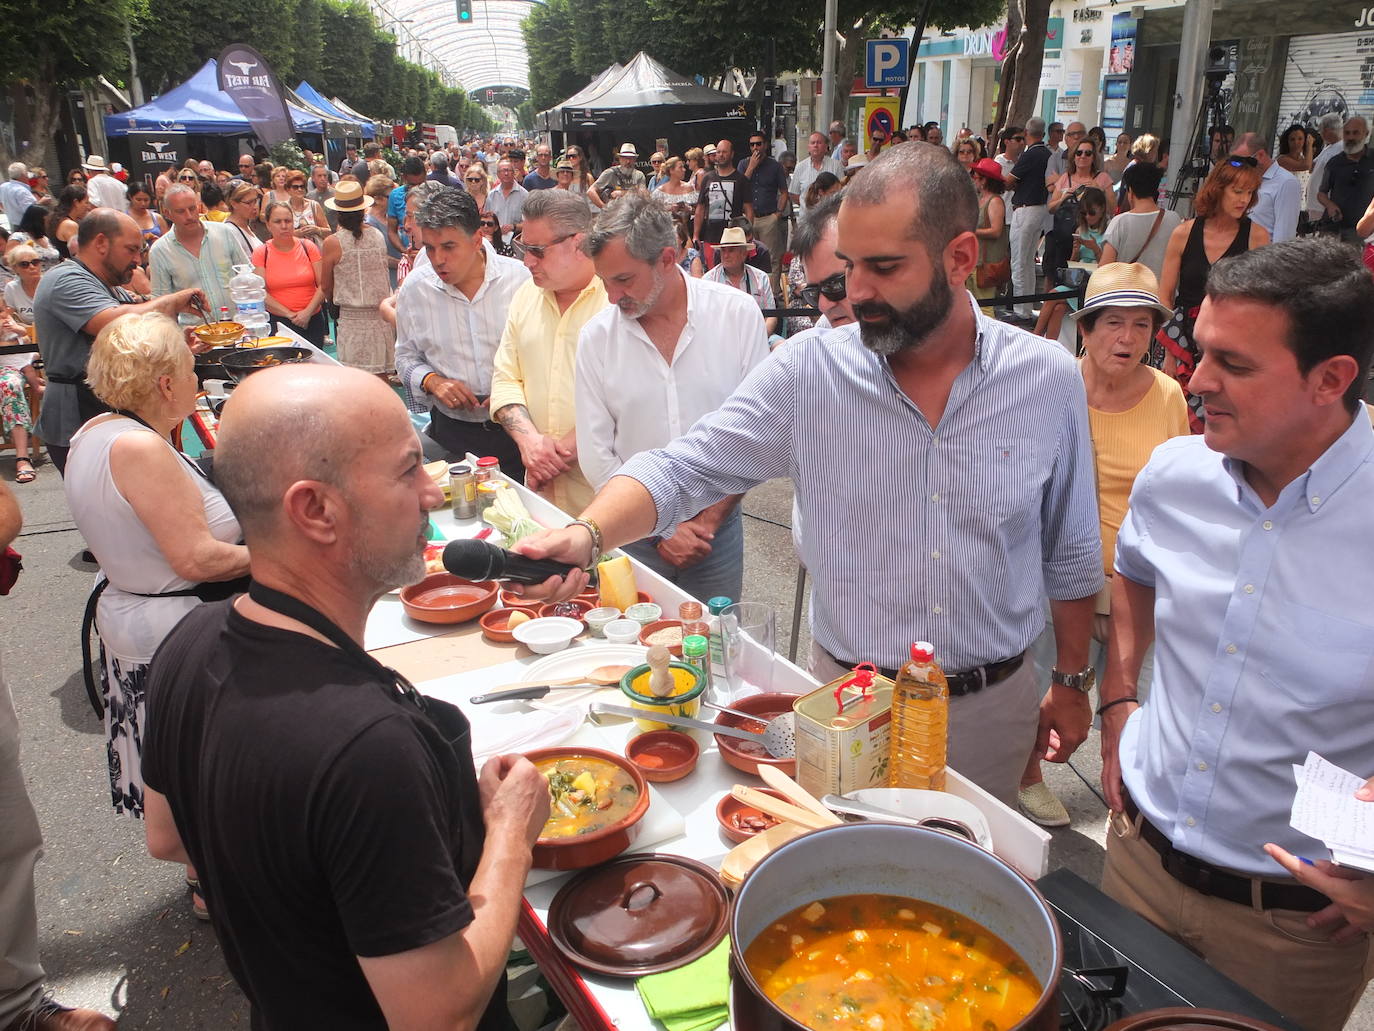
x=316, y=99
x=198, y=107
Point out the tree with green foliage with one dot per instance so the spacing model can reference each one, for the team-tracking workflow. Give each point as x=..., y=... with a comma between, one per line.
x=55, y=42
x=570, y=41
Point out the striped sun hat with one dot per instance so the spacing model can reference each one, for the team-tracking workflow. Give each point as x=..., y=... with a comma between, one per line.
x=1122, y=285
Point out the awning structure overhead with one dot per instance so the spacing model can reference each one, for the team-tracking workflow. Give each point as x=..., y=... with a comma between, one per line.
x=336, y=125
x=198, y=106
x=488, y=52
x=643, y=91
x=341, y=106
x=320, y=102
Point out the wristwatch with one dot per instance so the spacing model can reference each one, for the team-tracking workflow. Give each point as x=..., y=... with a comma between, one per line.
x=1082, y=681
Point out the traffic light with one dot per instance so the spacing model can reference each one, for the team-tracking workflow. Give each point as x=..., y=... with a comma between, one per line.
x=464, y=12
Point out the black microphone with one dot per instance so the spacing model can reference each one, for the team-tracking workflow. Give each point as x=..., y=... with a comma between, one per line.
x=478, y=560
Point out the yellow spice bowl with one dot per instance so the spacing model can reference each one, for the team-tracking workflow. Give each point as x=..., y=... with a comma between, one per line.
x=688, y=685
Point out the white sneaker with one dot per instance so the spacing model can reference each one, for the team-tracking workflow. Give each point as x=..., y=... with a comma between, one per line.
x=1041, y=806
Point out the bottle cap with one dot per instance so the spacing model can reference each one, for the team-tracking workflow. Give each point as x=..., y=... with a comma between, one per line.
x=689, y=611
x=694, y=644
x=714, y=605
x=488, y=462
x=923, y=651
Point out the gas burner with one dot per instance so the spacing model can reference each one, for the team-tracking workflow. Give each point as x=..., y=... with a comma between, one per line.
x=1090, y=999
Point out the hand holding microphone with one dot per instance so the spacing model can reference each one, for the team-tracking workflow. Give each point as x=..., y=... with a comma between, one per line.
x=478, y=560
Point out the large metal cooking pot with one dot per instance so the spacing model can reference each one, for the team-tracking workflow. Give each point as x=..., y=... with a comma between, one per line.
x=888, y=859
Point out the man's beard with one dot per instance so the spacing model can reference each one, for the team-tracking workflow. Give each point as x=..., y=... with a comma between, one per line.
x=1354, y=148
x=904, y=330
x=387, y=572
x=643, y=307
x=119, y=276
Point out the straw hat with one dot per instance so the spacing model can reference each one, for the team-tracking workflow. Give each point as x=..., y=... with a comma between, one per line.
x=95, y=163
x=627, y=150
x=348, y=196
x=733, y=237
x=855, y=163
x=1122, y=285
x=989, y=168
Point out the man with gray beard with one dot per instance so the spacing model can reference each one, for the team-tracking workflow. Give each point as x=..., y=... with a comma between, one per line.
x=975, y=435
x=358, y=872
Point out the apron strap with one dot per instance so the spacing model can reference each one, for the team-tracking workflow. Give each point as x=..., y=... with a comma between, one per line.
x=294, y=608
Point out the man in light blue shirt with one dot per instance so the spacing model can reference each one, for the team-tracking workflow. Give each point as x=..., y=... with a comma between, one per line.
x=15, y=195
x=942, y=468
x=1245, y=556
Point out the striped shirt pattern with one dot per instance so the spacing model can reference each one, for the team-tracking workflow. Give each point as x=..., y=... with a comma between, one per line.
x=172, y=267
x=953, y=536
x=439, y=329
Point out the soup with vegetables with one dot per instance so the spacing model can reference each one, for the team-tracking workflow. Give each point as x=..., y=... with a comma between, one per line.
x=585, y=795
x=884, y=963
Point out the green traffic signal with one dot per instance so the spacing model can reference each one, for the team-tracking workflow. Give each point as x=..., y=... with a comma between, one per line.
x=464, y=11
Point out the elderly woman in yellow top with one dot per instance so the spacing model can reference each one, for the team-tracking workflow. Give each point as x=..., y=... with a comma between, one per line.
x=163, y=535
x=1132, y=409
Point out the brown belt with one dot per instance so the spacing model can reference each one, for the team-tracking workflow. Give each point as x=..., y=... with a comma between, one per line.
x=1219, y=883
x=969, y=681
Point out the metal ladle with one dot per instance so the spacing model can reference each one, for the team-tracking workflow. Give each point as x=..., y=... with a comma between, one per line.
x=783, y=725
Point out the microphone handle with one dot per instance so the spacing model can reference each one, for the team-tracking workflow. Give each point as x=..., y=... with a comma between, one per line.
x=523, y=570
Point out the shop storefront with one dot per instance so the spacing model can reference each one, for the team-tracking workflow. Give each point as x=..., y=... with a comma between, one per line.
x=1289, y=62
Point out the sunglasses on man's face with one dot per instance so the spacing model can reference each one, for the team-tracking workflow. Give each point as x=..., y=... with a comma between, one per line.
x=832, y=288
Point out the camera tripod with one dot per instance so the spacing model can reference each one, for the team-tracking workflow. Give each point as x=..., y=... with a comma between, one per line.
x=1216, y=101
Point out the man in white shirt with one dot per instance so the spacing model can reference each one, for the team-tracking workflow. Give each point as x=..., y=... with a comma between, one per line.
x=449, y=317
x=1330, y=127
x=1280, y=194
x=818, y=161
x=102, y=189
x=733, y=271
x=669, y=350
x=195, y=254
x=507, y=201
x=837, y=139
x=15, y=195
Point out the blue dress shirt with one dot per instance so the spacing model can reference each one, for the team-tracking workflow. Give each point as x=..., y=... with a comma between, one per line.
x=1264, y=643
x=952, y=535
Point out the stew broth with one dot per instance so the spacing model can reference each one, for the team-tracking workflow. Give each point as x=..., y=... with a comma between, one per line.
x=883, y=963
x=585, y=795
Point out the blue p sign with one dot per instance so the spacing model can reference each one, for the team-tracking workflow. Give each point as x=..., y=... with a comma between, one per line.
x=885, y=63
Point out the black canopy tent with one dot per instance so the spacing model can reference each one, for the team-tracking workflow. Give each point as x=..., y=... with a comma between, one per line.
x=644, y=102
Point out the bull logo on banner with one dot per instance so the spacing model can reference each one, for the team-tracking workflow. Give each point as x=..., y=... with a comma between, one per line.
x=248, y=79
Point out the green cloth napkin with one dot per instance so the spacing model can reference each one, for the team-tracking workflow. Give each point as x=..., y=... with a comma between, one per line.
x=690, y=998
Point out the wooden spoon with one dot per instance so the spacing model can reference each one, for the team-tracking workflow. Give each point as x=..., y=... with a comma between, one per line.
x=766, y=803
x=779, y=781
x=745, y=856
x=603, y=676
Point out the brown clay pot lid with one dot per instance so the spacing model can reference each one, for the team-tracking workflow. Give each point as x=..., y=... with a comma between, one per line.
x=640, y=914
x=1185, y=1019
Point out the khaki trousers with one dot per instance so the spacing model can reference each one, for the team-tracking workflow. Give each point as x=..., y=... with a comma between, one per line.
x=1273, y=953
x=990, y=732
x=772, y=230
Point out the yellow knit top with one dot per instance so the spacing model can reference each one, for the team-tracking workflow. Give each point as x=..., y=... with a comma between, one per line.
x=1122, y=444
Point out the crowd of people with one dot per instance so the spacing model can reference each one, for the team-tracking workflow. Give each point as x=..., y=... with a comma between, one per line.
x=620, y=343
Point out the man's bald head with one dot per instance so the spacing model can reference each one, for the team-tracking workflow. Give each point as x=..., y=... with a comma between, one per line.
x=293, y=423
x=105, y=222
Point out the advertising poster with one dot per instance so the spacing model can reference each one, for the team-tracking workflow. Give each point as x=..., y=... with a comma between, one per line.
x=152, y=153
x=1121, y=56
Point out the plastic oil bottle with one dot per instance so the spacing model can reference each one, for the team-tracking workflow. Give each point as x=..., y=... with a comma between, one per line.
x=920, y=722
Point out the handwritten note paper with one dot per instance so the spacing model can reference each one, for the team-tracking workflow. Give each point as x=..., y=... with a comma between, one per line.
x=1326, y=808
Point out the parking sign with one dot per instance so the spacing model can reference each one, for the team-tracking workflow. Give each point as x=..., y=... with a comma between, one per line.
x=885, y=63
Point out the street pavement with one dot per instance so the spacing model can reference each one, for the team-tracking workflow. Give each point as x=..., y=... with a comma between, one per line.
x=115, y=926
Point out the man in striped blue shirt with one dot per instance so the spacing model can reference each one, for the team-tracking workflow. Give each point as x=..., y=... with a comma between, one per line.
x=943, y=473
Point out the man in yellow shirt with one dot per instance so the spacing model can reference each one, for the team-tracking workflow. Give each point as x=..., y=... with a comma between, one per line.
x=532, y=384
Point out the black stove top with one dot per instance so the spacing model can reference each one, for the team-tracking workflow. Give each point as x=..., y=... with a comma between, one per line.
x=1117, y=964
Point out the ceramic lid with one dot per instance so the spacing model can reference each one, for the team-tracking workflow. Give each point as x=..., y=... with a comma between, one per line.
x=640, y=914
x=1185, y=1019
